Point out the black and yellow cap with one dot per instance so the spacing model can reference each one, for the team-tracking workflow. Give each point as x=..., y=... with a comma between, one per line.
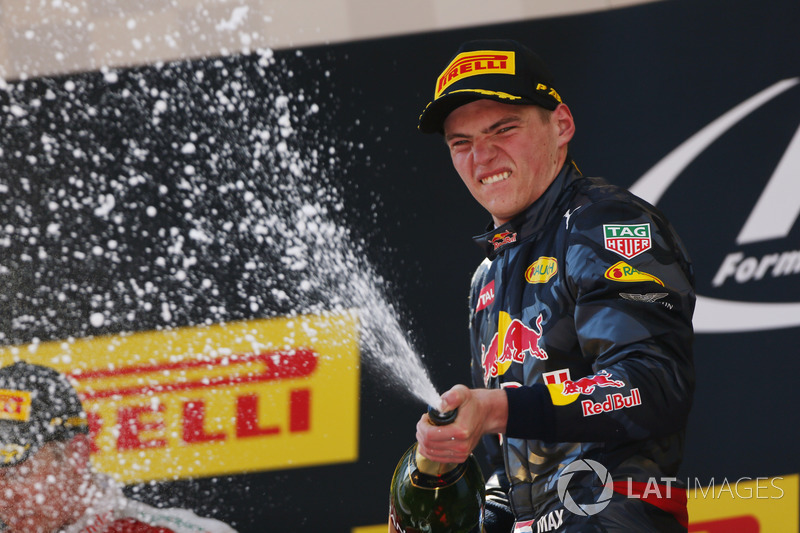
x=37, y=405
x=494, y=69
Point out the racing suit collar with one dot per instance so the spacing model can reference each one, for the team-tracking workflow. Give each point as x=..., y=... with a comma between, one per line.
x=498, y=239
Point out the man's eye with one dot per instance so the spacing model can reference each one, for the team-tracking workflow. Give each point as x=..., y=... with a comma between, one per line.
x=506, y=129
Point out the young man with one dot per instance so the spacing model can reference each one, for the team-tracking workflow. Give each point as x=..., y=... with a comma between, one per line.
x=46, y=481
x=580, y=317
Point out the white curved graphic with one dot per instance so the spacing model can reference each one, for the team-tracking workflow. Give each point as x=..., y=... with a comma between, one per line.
x=585, y=509
x=714, y=315
x=778, y=206
x=723, y=316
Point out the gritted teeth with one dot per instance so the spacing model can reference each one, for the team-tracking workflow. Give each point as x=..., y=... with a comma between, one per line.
x=497, y=177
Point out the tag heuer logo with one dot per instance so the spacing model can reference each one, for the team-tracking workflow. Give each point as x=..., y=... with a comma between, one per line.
x=627, y=240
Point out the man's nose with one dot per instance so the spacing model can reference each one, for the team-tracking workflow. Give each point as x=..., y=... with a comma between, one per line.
x=483, y=151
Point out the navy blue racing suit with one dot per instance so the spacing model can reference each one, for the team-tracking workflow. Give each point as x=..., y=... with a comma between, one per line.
x=582, y=313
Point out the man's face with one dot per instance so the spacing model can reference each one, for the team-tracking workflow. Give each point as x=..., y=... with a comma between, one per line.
x=46, y=491
x=507, y=155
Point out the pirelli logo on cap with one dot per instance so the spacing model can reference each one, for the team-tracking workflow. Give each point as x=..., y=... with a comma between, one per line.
x=473, y=64
x=15, y=405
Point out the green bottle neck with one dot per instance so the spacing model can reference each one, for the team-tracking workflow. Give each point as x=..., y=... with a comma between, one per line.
x=429, y=474
x=432, y=468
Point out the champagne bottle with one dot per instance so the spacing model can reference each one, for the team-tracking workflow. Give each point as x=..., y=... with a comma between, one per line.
x=431, y=497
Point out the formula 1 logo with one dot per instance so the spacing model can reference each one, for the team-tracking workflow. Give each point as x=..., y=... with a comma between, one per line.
x=770, y=221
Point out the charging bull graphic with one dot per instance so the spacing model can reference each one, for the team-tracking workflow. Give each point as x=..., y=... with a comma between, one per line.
x=510, y=344
x=586, y=385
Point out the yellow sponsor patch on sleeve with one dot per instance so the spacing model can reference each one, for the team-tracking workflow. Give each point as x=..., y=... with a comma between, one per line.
x=622, y=271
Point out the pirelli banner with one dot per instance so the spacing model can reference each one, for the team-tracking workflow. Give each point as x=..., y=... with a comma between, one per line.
x=196, y=243
x=221, y=399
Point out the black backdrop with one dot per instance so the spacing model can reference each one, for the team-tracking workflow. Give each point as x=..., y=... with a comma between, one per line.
x=640, y=81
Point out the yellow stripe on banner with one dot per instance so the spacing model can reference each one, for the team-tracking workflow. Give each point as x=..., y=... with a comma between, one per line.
x=221, y=399
x=383, y=528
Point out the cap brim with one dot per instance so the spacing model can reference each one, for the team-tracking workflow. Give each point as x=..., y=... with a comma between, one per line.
x=432, y=118
x=20, y=441
x=12, y=451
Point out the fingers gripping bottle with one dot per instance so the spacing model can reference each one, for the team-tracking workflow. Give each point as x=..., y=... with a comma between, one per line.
x=431, y=497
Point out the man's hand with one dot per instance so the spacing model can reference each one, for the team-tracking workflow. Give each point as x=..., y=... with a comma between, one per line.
x=480, y=411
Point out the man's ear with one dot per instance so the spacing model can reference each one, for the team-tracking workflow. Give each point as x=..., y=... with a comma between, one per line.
x=565, y=123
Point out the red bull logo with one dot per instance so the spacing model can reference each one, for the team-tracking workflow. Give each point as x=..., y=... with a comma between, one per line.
x=503, y=238
x=512, y=342
x=613, y=402
x=587, y=384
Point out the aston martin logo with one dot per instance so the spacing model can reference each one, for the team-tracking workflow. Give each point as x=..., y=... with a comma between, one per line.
x=650, y=297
